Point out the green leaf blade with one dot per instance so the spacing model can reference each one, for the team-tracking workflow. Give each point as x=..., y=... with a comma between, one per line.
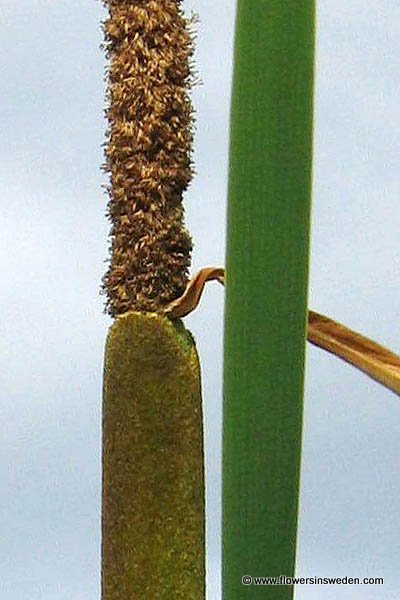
x=266, y=296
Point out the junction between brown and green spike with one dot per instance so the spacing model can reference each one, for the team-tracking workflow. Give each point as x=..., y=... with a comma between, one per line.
x=148, y=155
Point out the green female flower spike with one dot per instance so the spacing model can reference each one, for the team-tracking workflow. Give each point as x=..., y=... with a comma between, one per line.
x=266, y=291
x=153, y=481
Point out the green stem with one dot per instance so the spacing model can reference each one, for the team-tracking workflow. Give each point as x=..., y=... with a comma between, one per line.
x=266, y=294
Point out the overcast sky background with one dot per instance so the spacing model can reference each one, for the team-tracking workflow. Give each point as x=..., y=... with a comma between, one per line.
x=53, y=245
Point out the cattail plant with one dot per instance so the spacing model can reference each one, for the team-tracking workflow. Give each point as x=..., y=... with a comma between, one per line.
x=153, y=482
x=266, y=295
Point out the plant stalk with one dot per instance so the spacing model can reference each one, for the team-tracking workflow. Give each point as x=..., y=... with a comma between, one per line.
x=266, y=291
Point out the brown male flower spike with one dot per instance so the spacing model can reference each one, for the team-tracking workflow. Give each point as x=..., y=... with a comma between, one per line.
x=148, y=156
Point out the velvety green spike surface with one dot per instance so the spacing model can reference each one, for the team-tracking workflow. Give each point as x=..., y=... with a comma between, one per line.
x=153, y=482
x=266, y=291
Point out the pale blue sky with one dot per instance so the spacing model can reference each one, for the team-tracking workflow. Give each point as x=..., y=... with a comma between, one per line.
x=52, y=251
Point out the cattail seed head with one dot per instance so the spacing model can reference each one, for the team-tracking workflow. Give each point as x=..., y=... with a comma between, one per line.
x=149, y=45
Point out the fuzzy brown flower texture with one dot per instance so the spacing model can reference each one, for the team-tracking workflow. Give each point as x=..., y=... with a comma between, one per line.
x=149, y=45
